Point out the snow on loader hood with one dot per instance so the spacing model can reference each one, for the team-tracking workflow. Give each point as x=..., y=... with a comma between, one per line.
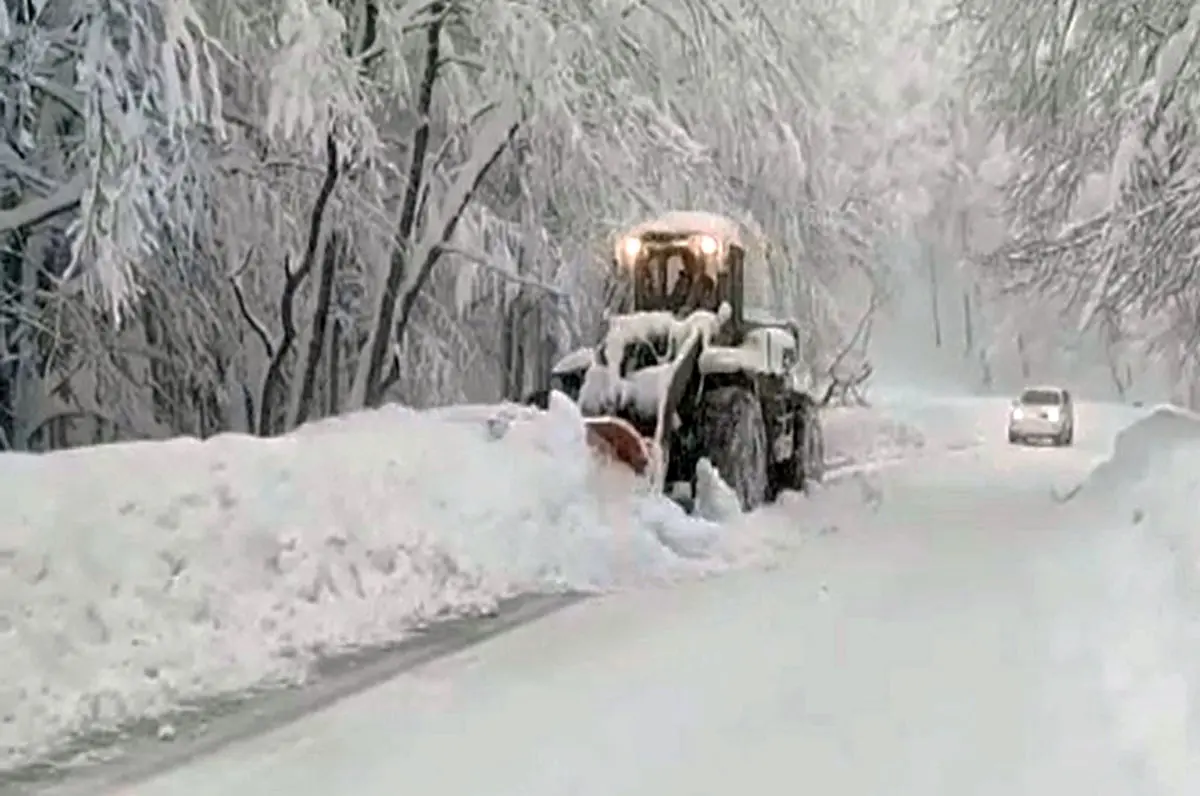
x=135, y=577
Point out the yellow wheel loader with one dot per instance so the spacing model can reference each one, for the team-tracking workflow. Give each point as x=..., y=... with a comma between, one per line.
x=684, y=372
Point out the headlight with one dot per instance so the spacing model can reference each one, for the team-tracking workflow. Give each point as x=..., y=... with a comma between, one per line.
x=1018, y=414
x=632, y=247
x=1052, y=415
x=708, y=245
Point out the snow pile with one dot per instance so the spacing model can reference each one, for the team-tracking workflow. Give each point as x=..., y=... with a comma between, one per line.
x=1153, y=453
x=1152, y=482
x=867, y=436
x=136, y=577
x=1151, y=486
x=854, y=437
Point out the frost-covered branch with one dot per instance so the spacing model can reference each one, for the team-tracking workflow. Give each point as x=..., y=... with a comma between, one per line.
x=1097, y=102
x=257, y=327
x=65, y=199
x=491, y=144
x=293, y=280
x=156, y=152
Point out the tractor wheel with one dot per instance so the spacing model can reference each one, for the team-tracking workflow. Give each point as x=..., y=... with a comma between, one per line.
x=807, y=462
x=733, y=436
x=813, y=448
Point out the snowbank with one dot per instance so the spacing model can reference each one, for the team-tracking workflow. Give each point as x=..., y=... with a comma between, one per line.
x=1145, y=506
x=855, y=436
x=1155, y=451
x=137, y=577
x=134, y=577
x=1151, y=482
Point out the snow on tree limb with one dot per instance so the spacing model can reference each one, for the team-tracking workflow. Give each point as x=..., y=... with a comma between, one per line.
x=315, y=86
x=35, y=211
x=146, y=84
x=1097, y=101
x=621, y=110
x=416, y=260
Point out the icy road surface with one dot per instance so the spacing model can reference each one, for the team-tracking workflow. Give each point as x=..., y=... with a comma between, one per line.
x=956, y=635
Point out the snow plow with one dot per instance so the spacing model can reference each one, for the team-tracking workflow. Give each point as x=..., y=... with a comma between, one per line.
x=684, y=373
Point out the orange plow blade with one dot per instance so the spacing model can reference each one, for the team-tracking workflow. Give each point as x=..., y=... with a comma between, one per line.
x=619, y=440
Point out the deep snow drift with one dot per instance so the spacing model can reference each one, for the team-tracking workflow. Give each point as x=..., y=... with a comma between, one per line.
x=1152, y=481
x=136, y=577
x=906, y=427
x=1146, y=500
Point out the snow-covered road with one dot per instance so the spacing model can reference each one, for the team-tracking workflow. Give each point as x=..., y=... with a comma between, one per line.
x=956, y=635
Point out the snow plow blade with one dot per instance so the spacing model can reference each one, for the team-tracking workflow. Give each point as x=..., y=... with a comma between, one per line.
x=619, y=440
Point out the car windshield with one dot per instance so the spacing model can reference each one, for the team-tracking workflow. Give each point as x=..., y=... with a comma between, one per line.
x=1041, y=398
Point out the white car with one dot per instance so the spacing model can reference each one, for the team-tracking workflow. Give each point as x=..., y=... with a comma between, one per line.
x=1042, y=413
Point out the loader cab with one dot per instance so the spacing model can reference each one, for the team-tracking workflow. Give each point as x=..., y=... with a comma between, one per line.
x=680, y=263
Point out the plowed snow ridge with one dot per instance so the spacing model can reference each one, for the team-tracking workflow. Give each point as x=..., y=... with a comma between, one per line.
x=137, y=577
x=1147, y=496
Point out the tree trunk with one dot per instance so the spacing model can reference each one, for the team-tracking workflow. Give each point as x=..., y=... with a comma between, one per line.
x=334, y=387
x=292, y=282
x=968, y=325
x=1023, y=355
x=369, y=388
x=486, y=149
x=11, y=261
x=302, y=406
x=934, y=305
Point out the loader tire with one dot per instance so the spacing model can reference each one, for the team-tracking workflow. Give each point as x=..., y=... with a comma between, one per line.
x=814, y=446
x=807, y=463
x=733, y=436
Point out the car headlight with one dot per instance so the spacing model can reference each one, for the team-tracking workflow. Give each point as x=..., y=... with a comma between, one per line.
x=1018, y=414
x=632, y=247
x=708, y=245
x=1053, y=415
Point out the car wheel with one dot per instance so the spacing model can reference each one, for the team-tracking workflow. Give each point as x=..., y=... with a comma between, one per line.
x=1013, y=439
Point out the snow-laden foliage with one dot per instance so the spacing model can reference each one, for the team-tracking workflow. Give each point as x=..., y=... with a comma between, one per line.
x=1097, y=102
x=249, y=214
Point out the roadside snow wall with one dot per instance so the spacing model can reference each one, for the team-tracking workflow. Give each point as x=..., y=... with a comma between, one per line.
x=1144, y=505
x=136, y=577
x=890, y=432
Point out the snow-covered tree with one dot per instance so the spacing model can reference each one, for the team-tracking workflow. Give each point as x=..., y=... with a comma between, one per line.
x=1098, y=102
x=249, y=214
